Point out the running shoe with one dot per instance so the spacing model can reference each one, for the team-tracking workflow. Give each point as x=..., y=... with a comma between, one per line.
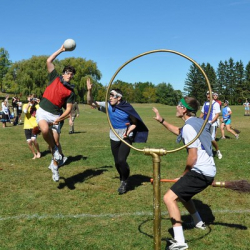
x=62, y=161
x=237, y=136
x=51, y=163
x=56, y=155
x=176, y=245
x=219, y=154
x=201, y=225
x=123, y=188
x=55, y=173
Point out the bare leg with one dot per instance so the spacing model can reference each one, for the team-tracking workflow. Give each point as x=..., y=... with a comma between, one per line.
x=222, y=130
x=38, y=154
x=215, y=145
x=57, y=138
x=170, y=200
x=31, y=149
x=47, y=134
x=230, y=130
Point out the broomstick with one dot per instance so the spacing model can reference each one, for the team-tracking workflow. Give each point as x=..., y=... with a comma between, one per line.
x=240, y=186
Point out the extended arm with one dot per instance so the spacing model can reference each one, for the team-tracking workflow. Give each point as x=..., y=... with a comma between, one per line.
x=174, y=129
x=90, y=100
x=50, y=65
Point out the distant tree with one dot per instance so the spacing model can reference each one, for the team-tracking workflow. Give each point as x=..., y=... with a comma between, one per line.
x=4, y=65
x=240, y=81
x=149, y=94
x=195, y=84
x=139, y=89
x=167, y=95
x=31, y=76
x=246, y=88
x=28, y=76
x=211, y=75
x=221, y=79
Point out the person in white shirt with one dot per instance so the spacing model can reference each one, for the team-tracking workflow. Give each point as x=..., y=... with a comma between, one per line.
x=199, y=172
x=213, y=117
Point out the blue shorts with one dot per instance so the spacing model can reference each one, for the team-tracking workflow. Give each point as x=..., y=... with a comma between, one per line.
x=227, y=122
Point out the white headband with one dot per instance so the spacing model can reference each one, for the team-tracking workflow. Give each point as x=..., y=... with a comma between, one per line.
x=115, y=93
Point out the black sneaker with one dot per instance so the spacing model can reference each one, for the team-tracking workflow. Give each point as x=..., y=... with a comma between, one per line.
x=123, y=188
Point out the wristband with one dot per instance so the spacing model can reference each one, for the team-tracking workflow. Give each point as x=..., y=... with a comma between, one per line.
x=162, y=120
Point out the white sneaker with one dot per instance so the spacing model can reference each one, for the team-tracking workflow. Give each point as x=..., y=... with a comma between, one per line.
x=61, y=162
x=51, y=163
x=201, y=225
x=56, y=155
x=176, y=245
x=219, y=154
x=237, y=136
x=55, y=173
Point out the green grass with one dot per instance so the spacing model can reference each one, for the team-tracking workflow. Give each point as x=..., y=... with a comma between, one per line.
x=84, y=211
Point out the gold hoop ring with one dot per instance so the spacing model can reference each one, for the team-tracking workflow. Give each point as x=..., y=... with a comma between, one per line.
x=158, y=151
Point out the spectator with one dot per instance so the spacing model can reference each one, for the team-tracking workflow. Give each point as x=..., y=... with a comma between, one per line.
x=73, y=114
x=19, y=112
x=5, y=113
x=246, y=105
x=29, y=110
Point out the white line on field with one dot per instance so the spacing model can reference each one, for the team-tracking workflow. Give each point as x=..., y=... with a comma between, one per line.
x=63, y=216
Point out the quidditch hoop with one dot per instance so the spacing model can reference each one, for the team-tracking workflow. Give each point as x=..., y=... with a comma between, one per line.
x=159, y=151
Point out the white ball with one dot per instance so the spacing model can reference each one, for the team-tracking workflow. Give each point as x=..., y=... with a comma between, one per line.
x=69, y=44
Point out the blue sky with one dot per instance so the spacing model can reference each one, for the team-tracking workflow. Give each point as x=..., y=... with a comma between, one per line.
x=114, y=31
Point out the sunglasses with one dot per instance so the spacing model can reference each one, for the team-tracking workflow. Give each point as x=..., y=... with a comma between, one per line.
x=114, y=96
x=180, y=105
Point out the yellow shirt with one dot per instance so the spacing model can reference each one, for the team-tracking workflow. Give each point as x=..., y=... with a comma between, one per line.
x=29, y=119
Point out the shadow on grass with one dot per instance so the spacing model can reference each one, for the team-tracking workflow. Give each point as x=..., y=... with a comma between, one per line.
x=74, y=158
x=136, y=181
x=206, y=215
x=81, y=177
x=78, y=132
x=45, y=152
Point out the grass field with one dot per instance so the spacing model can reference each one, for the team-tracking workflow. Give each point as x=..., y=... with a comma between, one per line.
x=84, y=211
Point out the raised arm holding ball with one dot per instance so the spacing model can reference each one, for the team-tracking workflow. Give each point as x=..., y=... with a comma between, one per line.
x=58, y=94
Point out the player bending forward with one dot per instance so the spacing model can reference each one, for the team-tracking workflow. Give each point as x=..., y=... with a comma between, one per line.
x=199, y=171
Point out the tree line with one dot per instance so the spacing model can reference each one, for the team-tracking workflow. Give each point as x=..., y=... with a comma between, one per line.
x=231, y=81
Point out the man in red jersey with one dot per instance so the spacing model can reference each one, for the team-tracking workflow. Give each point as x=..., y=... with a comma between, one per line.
x=58, y=94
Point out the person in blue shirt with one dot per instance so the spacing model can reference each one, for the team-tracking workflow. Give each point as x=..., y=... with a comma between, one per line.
x=127, y=124
x=226, y=121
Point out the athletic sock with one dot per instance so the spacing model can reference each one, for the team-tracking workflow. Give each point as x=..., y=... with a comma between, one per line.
x=196, y=217
x=178, y=234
